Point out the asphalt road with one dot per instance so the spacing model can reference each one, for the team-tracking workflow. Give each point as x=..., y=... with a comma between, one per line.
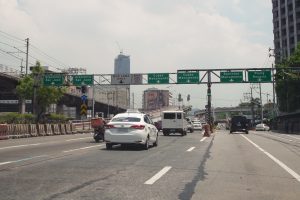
x=260, y=165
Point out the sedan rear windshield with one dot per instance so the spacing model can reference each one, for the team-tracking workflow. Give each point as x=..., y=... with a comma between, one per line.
x=126, y=119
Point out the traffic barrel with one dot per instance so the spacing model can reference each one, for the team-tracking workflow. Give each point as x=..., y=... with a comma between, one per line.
x=206, y=130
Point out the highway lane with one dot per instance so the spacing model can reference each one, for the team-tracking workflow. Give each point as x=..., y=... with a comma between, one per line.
x=224, y=166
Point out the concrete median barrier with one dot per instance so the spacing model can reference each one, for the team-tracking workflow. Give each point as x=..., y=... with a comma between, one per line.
x=56, y=130
x=49, y=129
x=4, y=132
x=41, y=129
x=33, y=130
x=68, y=128
x=62, y=129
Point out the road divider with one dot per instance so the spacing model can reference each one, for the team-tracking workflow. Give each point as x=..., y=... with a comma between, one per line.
x=158, y=175
x=281, y=164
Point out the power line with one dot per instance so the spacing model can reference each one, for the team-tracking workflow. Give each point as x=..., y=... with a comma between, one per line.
x=11, y=37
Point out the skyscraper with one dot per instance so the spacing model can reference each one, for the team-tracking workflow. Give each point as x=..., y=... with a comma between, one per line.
x=122, y=64
x=286, y=27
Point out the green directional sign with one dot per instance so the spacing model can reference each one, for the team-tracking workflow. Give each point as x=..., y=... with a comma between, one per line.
x=79, y=80
x=231, y=77
x=160, y=78
x=187, y=77
x=259, y=76
x=53, y=79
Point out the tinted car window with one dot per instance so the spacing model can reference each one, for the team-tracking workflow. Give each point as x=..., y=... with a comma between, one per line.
x=169, y=115
x=126, y=119
x=179, y=116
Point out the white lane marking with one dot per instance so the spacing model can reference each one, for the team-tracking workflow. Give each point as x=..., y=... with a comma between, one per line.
x=281, y=164
x=297, y=138
x=83, y=148
x=203, y=139
x=280, y=137
x=23, y=145
x=158, y=175
x=191, y=149
x=24, y=159
x=78, y=139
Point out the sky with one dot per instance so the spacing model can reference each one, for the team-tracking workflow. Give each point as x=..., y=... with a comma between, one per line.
x=159, y=36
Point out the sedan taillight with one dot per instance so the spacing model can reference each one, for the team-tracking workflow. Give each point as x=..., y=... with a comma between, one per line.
x=109, y=126
x=138, y=127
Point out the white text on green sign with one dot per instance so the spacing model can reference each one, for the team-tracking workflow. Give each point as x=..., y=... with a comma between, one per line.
x=160, y=78
x=231, y=77
x=187, y=77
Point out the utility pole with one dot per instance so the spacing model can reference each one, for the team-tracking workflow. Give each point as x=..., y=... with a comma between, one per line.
x=252, y=106
x=132, y=100
x=262, y=108
x=27, y=52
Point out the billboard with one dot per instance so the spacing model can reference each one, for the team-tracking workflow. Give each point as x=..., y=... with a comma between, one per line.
x=155, y=99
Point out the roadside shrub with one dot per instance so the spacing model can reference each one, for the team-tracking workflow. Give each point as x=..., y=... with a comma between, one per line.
x=17, y=118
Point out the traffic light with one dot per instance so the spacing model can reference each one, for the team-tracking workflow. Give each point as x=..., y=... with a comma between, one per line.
x=179, y=97
x=188, y=98
x=83, y=89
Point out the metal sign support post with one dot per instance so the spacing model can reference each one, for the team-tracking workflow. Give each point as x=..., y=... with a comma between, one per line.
x=209, y=97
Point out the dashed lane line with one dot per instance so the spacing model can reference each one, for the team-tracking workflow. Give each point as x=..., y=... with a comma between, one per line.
x=23, y=145
x=158, y=175
x=203, y=139
x=78, y=139
x=24, y=159
x=281, y=164
x=190, y=149
x=67, y=151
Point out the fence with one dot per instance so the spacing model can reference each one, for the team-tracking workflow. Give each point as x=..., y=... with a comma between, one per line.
x=33, y=130
x=289, y=123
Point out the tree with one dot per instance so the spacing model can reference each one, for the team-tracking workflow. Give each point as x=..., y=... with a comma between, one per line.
x=44, y=95
x=288, y=83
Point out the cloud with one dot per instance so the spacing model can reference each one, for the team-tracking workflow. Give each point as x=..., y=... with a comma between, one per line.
x=160, y=36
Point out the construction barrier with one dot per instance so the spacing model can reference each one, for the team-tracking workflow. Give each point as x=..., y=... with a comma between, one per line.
x=62, y=129
x=33, y=130
x=41, y=129
x=56, y=130
x=68, y=129
x=3, y=132
x=11, y=130
x=48, y=129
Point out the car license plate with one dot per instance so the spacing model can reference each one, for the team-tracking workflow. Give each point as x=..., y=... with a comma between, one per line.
x=122, y=130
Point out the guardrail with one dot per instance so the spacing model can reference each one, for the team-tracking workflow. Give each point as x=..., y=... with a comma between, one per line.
x=34, y=130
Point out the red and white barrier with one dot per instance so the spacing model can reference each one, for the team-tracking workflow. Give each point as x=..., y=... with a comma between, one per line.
x=4, y=132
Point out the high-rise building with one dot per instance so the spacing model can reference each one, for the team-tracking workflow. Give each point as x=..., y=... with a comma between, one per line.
x=122, y=64
x=286, y=27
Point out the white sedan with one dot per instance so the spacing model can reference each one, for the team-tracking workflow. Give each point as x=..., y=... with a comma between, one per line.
x=262, y=127
x=131, y=128
x=197, y=125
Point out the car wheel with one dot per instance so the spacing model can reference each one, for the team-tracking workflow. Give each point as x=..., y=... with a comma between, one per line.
x=146, y=145
x=192, y=130
x=108, y=146
x=155, y=144
x=97, y=140
x=247, y=132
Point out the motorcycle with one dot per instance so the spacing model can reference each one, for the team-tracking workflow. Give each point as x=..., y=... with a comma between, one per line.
x=98, y=124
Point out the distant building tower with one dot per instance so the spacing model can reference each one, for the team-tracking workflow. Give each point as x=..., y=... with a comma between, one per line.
x=286, y=27
x=122, y=64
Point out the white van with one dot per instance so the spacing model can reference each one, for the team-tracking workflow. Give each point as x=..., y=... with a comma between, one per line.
x=174, y=122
